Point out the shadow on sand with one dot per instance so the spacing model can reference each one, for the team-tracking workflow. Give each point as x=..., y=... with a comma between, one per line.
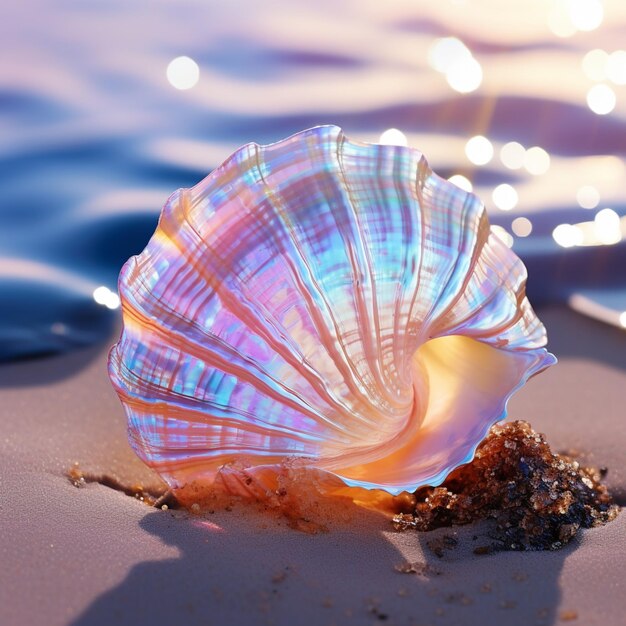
x=236, y=568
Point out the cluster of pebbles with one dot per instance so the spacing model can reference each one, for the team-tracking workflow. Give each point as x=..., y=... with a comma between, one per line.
x=537, y=499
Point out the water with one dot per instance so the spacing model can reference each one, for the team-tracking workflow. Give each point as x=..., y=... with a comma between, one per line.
x=93, y=137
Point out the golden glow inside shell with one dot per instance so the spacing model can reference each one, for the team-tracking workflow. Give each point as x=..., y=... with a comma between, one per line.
x=324, y=301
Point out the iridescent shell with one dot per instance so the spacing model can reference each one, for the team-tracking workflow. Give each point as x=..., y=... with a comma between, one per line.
x=326, y=300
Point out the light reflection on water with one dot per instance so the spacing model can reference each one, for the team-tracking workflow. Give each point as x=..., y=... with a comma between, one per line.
x=108, y=107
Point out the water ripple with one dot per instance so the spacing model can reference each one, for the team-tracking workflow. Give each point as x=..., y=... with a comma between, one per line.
x=94, y=138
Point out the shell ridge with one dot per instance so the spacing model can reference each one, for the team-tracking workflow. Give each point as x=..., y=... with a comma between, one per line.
x=231, y=302
x=535, y=330
x=202, y=189
x=509, y=289
x=464, y=265
x=180, y=448
x=343, y=365
x=532, y=329
x=415, y=189
x=463, y=322
x=263, y=381
x=366, y=332
x=190, y=414
x=375, y=451
x=507, y=323
x=349, y=250
x=422, y=171
x=403, y=428
x=164, y=411
x=405, y=193
x=196, y=415
x=399, y=439
x=303, y=270
x=277, y=340
x=444, y=280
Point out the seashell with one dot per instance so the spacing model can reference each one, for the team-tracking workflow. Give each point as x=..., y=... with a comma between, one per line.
x=324, y=300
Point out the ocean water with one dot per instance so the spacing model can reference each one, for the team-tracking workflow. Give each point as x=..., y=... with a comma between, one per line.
x=94, y=137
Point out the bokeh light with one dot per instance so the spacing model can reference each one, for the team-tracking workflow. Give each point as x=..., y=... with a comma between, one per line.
x=536, y=160
x=588, y=197
x=522, y=226
x=585, y=15
x=479, y=150
x=512, y=155
x=570, y=16
x=567, y=235
x=446, y=52
x=594, y=64
x=452, y=57
x=183, y=73
x=465, y=76
x=607, y=228
x=462, y=182
x=104, y=296
x=601, y=99
x=616, y=67
x=505, y=197
x=559, y=20
x=393, y=137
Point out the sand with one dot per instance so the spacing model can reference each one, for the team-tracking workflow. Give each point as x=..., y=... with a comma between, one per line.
x=96, y=556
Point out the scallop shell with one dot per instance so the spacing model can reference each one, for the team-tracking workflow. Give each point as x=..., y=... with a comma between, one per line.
x=325, y=300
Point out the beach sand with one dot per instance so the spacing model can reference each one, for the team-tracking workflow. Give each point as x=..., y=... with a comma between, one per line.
x=95, y=556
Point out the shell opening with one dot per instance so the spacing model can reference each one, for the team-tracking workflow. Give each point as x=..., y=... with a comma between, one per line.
x=462, y=377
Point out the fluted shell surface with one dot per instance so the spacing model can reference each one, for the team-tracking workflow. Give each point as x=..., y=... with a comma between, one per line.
x=327, y=300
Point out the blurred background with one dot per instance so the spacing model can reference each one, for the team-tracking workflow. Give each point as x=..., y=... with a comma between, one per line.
x=107, y=107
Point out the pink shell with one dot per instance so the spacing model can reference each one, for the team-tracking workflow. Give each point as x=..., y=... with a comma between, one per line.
x=326, y=300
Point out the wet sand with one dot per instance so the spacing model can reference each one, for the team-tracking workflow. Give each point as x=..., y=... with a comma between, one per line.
x=95, y=556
